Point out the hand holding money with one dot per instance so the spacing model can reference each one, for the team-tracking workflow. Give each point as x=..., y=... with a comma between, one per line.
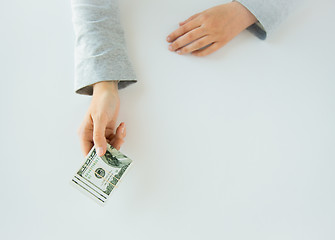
x=98, y=126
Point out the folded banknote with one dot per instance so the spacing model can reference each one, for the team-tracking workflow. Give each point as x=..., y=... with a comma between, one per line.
x=99, y=176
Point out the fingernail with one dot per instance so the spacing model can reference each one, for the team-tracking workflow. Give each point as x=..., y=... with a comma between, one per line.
x=100, y=151
x=123, y=128
x=179, y=52
x=168, y=39
x=170, y=48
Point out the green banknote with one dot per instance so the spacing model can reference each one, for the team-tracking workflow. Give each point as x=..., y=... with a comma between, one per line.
x=99, y=176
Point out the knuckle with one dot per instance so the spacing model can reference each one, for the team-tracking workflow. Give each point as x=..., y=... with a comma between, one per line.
x=98, y=135
x=204, y=16
x=215, y=26
x=176, y=45
x=209, y=25
x=99, y=117
x=189, y=37
x=183, y=50
x=182, y=28
x=202, y=29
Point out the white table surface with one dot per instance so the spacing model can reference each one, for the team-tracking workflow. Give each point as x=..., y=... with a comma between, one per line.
x=237, y=145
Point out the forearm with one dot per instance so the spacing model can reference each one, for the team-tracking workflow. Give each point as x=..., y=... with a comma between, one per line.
x=245, y=17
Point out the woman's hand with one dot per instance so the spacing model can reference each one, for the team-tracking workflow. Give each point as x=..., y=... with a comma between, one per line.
x=213, y=28
x=98, y=126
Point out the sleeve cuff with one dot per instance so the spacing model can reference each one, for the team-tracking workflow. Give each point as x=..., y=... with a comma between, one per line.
x=88, y=90
x=112, y=65
x=256, y=28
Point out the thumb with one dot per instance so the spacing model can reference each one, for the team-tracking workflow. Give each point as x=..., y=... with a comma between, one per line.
x=99, y=138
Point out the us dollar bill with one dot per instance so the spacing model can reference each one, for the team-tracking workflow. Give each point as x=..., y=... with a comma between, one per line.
x=99, y=176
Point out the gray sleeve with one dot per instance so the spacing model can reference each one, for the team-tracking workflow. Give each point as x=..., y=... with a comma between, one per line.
x=100, y=48
x=269, y=13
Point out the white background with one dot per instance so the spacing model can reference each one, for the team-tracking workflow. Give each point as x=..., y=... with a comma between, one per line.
x=236, y=145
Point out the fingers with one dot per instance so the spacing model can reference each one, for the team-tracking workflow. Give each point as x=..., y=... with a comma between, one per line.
x=182, y=30
x=99, y=127
x=196, y=45
x=189, y=19
x=85, y=135
x=187, y=38
x=120, y=134
x=86, y=146
x=215, y=25
x=208, y=50
x=86, y=143
x=121, y=131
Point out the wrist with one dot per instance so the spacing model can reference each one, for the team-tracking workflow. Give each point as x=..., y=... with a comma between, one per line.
x=247, y=17
x=105, y=86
